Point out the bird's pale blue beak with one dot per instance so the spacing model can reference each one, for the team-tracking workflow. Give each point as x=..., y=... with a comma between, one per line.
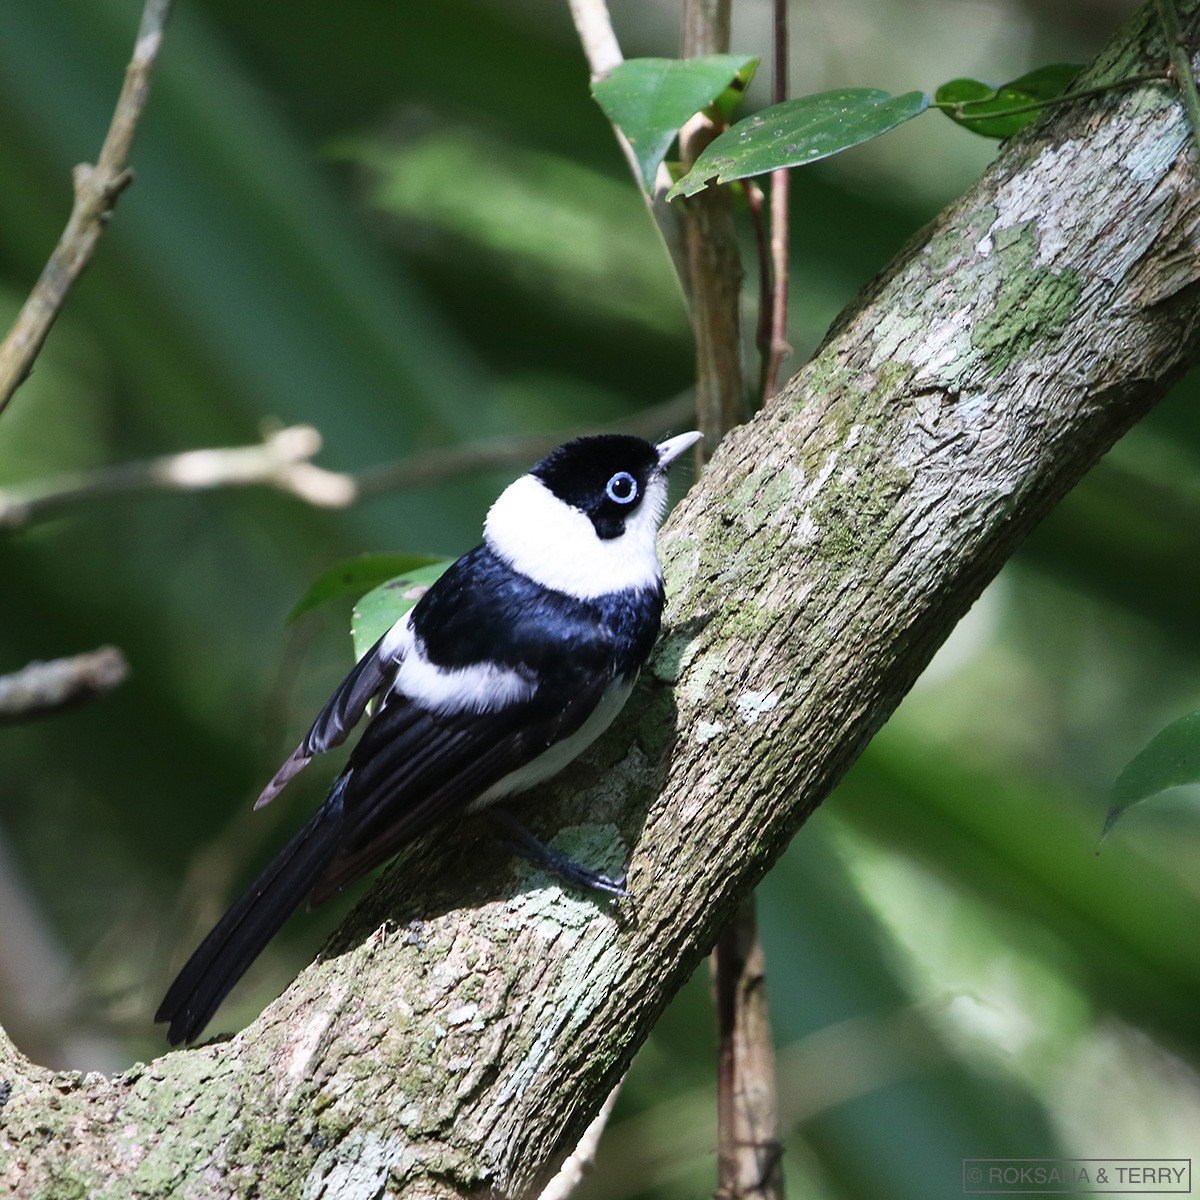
x=672, y=448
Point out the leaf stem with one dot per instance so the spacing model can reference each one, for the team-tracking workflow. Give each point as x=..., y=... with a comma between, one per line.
x=960, y=109
x=762, y=248
x=1181, y=65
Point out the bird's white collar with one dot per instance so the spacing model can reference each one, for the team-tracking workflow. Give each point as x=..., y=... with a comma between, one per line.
x=556, y=545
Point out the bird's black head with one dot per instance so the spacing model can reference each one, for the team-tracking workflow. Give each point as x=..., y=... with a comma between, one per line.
x=584, y=521
x=606, y=477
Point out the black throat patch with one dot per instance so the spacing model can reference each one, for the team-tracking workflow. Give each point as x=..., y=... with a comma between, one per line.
x=604, y=477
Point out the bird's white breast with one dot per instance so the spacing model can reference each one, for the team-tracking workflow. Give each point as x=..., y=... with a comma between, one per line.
x=556, y=545
x=551, y=761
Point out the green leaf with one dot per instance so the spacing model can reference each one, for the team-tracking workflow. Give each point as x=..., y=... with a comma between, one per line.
x=798, y=132
x=383, y=606
x=1172, y=758
x=965, y=91
x=648, y=99
x=981, y=107
x=354, y=576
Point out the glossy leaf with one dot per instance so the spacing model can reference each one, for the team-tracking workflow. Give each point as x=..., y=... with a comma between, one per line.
x=648, y=99
x=1172, y=758
x=983, y=108
x=383, y=606
x=353, y=576
x=798, y=132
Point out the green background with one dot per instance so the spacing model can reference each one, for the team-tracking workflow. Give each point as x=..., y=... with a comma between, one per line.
x=408, y=225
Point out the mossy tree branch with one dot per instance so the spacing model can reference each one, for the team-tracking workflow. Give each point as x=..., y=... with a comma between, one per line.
x=466, y=1023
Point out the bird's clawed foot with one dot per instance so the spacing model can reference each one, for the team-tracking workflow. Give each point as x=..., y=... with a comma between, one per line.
x=520, y=841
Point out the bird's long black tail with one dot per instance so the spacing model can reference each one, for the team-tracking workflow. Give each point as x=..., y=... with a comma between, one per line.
x=254, y=918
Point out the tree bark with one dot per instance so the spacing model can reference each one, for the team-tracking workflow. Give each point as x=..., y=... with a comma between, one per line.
x=460, y=1031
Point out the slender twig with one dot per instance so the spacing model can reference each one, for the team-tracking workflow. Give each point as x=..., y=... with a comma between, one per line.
x=96, y=191
x=961, y=109
x=603, y=52
x=596, y=35
x=780, y=182
x=582, y=1159
x=46, y=687
x=280, y=461
x=1181, y=65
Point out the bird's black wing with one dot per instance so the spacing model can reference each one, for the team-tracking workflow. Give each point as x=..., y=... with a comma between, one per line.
x=415, y=764
x=344, y=709
x=412, y=768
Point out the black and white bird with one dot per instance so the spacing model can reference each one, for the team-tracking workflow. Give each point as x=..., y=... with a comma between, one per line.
x=513, y=662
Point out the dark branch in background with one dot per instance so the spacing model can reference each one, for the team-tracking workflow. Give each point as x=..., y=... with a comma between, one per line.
x=714, y=268
x=750, y=1161
x=45, y=687
x=748, y=1165
x=96, y=191
x=777, y=348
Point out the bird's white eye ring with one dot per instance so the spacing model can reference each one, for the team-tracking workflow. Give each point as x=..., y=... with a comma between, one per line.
x=622, y=488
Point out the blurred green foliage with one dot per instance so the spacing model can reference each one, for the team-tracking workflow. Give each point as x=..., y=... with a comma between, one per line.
x=409, y=226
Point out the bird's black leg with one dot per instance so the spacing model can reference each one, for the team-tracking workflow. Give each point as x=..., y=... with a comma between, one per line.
x=522, y=842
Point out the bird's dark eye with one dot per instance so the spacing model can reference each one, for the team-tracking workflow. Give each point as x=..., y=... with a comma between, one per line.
x=622, y=488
